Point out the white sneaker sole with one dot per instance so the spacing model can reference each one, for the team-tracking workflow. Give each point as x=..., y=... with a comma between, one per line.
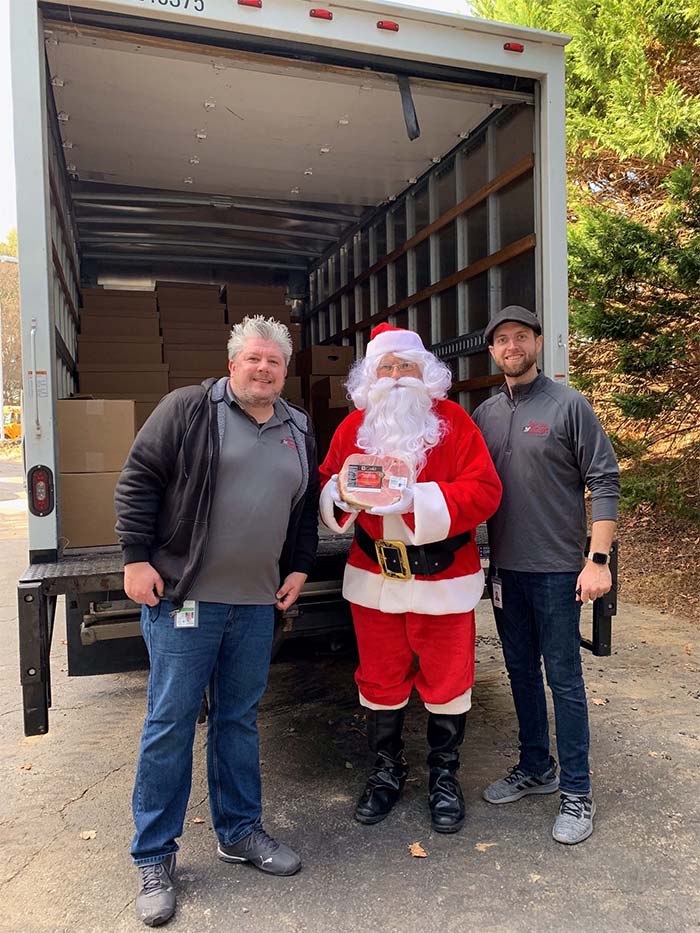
x=581, y=838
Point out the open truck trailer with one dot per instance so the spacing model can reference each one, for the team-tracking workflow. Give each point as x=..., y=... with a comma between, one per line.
x=379, y=162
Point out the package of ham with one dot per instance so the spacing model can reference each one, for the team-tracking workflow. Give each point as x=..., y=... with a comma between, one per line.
x=367, y=481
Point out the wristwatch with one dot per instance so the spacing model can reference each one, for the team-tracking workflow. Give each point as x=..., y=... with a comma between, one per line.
x=598, y=557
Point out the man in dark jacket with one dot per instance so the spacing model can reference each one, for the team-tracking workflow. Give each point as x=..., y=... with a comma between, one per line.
x=216, y=504
x=548, y=448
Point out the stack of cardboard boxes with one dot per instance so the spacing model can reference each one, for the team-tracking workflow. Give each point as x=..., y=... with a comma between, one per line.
x=120, y=350
x=324, y=371
x=94, y=438
x=193, y=322
x=249, y=300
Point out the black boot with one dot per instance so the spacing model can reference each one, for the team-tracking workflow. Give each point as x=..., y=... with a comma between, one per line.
x=445, y=735
x=388, y=776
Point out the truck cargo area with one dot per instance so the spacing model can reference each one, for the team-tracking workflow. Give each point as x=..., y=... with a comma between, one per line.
x=196, y=171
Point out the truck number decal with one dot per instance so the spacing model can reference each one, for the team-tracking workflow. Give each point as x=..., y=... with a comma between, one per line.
x=196, y=5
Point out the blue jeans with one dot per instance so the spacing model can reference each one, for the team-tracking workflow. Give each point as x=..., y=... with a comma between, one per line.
x=230, y=653
x=540, y=620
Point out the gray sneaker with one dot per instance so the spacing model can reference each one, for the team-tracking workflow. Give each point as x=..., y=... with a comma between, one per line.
x=263, y=852
x=574, y=823
x=155, y=902
x=518, y=783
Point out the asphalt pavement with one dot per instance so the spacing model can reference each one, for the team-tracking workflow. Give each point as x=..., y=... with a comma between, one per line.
x=65, y=822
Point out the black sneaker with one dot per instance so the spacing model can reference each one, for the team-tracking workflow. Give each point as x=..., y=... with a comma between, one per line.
x=262, y=851
x=155, y=902
x=518, y=783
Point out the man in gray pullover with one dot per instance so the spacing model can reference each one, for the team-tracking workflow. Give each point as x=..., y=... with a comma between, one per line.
x=548, y=448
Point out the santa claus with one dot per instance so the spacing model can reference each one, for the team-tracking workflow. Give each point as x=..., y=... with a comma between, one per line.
x=413, y=575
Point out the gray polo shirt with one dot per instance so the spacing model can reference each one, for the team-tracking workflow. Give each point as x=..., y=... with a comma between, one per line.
x=258, y=476
x=548, y=447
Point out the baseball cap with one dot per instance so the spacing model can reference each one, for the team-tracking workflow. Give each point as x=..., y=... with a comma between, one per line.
x=511, y=313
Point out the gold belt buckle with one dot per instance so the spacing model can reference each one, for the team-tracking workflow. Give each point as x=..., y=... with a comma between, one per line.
x=381, y=547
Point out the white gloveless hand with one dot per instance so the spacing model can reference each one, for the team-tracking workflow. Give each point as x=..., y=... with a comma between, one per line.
x=404, y=504
x=335, y=495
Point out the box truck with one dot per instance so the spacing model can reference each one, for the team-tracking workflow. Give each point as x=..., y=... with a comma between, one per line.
x=368, y=161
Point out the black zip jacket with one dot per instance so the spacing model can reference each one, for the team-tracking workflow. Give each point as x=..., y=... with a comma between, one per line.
x=164, y=494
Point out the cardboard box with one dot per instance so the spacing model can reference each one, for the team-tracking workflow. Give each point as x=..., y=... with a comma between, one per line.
x=98, y=324
x=94, y=435
x=127, y=349
x=295, y=334
x=118, y=309
x=197, y=358
x=328, y=392
x=87, y=515
x=123, y=379
x=173, y=289
x=179, y=380
x=292, y=390
x=325, y=361
x=280, y=313
x=191, y=314
x=212, y=336
x=141, y=412
x=263, y=294
x=101, y=299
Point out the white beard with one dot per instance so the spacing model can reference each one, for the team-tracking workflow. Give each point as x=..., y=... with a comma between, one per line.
x=399, y=421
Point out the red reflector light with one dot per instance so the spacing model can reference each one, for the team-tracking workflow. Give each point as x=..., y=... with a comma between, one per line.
x=321, y=14
x=514, y=47
x=388, y=24
x=40, y=484
x=255, y=3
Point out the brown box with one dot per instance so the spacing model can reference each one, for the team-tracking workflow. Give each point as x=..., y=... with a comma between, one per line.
x=178, y=380
x=262, y=294
x=191, y=314
x=174, y=289
x=325, y=361
x=87, y=514
x=94, y=435
x=127, y=349
x=328, y=392
x=212, y=336
x=101, y=299
x=292, y=390
x=100, y=324
x=295, y=334
x=280, y=313
x=118, y=309
x=197, y=358
x=123, y=379
x=141, y=411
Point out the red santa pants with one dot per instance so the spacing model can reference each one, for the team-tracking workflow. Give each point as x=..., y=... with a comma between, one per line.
x=388, y=644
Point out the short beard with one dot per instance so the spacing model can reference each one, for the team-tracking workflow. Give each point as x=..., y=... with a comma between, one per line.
x=515, y=369
x=400, y=421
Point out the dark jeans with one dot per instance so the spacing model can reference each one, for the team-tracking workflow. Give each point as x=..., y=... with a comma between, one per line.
x=230, y=653
x=540, y=620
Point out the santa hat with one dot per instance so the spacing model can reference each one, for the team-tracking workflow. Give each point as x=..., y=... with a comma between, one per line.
x=385, y=338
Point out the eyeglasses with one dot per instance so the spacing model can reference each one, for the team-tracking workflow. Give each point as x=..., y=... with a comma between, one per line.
x=386, y=369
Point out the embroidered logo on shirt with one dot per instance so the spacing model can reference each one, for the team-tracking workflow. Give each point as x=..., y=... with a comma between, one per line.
x=289, y=442
x=536, y=427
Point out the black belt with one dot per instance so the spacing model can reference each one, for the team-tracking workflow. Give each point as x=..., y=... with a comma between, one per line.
x=400, y=561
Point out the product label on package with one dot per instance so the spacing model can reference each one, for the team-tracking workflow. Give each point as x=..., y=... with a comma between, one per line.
x=363, y=477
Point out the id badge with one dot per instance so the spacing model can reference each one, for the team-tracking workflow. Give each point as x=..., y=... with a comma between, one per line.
x=497, y=590
x=188, y=616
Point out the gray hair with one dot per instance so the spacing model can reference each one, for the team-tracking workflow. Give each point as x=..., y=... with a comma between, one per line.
x=264, y=328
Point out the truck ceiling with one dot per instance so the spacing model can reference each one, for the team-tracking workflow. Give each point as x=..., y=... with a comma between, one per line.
x=221, y=155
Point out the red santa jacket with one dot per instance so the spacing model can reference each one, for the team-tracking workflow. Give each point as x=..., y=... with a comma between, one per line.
x=457, y=489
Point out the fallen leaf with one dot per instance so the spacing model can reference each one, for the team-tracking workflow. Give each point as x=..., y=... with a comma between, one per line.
x=88, y=834
x=688, y=649
x=417, y=850
x=599, y=702
x=483, y=846
x=27, y=766
x=535, y=878
x=653, y=754
x=198, y=819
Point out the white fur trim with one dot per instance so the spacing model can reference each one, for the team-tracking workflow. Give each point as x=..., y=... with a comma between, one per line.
x=460, y=704
x=393, y=341
x=426, y=597
x=369, y=705
x=431, y=517
x=326, y=508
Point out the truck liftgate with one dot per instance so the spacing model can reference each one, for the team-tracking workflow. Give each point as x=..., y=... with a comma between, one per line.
x=98, y=614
